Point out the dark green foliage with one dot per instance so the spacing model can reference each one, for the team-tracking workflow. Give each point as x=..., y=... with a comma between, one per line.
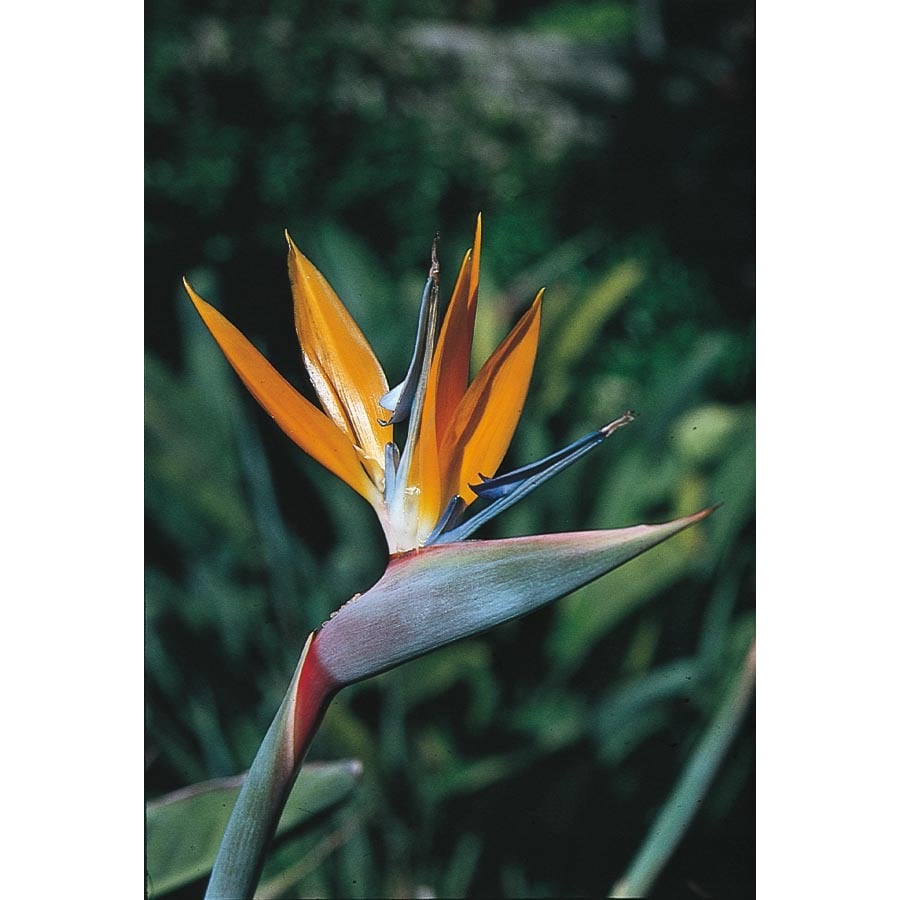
x=611, y=168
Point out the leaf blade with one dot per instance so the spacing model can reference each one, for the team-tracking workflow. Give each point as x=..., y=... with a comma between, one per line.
x=184, y=828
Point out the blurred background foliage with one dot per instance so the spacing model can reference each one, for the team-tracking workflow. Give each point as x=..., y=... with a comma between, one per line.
x=610, y=147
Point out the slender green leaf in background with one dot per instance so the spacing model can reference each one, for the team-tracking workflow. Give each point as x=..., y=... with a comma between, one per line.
x=579, y=335
x=184, y=829
x=687, y=795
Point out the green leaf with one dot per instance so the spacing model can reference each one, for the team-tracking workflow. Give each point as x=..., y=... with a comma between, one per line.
x=674, y=817
x=462, y=865
x=184, y=829
x=578, y=338
x=604, y=20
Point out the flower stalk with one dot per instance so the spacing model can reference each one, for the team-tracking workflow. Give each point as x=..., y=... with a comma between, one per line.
x=269, y=781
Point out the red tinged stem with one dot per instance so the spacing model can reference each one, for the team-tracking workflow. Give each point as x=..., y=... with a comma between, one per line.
x=270, y=779
x=315, y=691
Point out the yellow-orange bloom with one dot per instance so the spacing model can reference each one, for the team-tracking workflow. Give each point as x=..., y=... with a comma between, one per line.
x=458, y=431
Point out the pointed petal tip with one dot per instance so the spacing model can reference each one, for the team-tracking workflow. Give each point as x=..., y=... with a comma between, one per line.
x=625, y=419
x=294, y=252
x=435, y=269
x=199, y=303
x=207, y=312
x=476, y=256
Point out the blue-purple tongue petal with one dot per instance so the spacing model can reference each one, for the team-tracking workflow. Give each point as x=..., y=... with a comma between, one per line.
x=510, y=488
x=431, y=597
x=449, y=518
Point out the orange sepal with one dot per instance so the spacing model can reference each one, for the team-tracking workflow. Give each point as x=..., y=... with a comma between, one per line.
x=343, y=369
x=447, y=383
x=484, y=421
x=453, y=351
x=309, y=428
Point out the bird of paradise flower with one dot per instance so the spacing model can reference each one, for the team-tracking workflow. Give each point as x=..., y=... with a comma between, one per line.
x=438, y=586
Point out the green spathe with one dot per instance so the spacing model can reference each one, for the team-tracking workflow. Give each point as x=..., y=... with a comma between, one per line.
x=431, y=597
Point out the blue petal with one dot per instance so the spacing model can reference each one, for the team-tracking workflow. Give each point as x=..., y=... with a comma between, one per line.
x=391, y=459
x=505, y=490
x=420, y=367
x=398, y=400
x=449, y=519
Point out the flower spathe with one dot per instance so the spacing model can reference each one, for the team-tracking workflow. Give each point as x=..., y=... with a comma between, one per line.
x=457, y=432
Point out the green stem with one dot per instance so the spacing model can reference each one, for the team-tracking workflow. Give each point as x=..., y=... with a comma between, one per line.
x=675, y=816
x=265, y=791
x=281, y=884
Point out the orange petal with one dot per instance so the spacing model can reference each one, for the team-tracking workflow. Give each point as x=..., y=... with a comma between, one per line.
x=309, y=428
x=484, y=421
x=447, y=383
x=342, y=367
x=453, y=351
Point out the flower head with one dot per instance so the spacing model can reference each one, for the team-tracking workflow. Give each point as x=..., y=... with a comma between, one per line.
x=457, y=431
